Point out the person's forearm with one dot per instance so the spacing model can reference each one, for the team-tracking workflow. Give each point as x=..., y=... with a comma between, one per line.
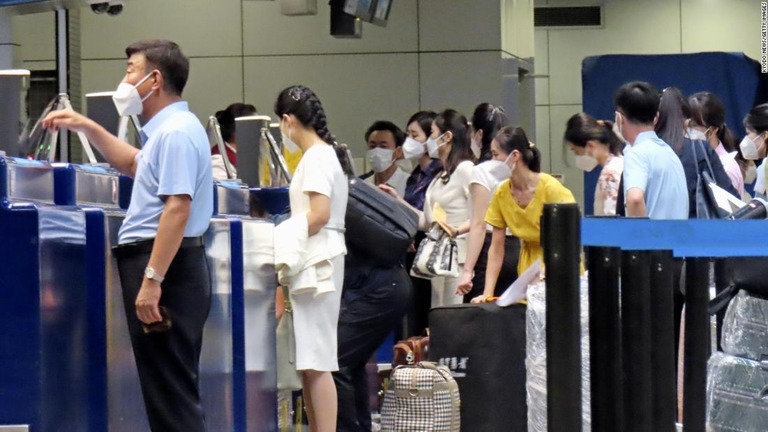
x=495, y=259
x=119, y=154
x=170, y=232
x=475, y=240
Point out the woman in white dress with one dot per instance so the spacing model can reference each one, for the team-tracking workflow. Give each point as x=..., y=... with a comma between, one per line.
x=319, y=189
x=449, y=141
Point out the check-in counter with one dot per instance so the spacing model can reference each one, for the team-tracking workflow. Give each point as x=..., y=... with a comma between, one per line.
x=116, y=401
x=44, y=364
x=253, y=300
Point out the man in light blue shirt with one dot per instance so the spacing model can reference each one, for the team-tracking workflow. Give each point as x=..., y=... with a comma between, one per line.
x=654, y=179
x=160, y=241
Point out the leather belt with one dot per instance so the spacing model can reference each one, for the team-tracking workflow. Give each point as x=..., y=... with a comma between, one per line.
x=145, y=246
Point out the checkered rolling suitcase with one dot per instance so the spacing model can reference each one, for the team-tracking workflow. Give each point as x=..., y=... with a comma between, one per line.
x=421, y=398
x=736, y=394
x=745, y=327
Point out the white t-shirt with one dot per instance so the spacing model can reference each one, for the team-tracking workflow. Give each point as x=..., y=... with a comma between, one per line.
x=397, y=181
x=320, y=171
x=453, y=197
x=481, y=175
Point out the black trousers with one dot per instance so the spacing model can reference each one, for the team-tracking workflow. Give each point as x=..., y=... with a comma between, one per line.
x=373, y=304
x=168, y=362
x=421, y=296
x=508, y=272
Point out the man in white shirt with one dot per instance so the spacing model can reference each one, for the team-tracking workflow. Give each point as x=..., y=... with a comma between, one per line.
x=382, y=138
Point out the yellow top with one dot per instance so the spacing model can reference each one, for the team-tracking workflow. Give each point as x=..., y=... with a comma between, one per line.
x=504, y=212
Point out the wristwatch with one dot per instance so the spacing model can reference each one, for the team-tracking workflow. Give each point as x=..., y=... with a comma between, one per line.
x=150, y=273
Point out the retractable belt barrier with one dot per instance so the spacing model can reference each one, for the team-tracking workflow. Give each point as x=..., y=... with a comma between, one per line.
x=632, y=328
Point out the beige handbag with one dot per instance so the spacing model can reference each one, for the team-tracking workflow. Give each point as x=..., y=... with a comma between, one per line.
x=288, y=377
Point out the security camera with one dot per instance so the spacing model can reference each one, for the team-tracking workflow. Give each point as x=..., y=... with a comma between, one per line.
x=99, y=7
x=111, y=7
x=115, y=7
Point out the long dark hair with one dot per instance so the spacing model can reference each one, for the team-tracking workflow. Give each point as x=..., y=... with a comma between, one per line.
x=303, y=103
x=673, y=111
x=582, y=127
x=514, y=138
x=489, y=119
x=757, y=118
x=707, y=110
x=456, y=123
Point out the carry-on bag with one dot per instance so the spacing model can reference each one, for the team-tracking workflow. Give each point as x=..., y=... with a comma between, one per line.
x=736, y=394
x=421, y=398
x=411, y=351
x=484, y=347
x=377, y=224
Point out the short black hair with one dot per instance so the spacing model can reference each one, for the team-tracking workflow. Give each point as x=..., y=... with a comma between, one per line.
x=424, y=119
x=226, y=118
x=385, y=125
x=638, y=101
x=165, y=56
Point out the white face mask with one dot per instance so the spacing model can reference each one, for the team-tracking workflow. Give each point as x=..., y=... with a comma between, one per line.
x=696, y=134
x=501, y=170
x=476, y=146
x=749, y=149
x=412, y=149
x=750, y=174
x=127, y=99
x=585, y=162
x=433, y=146
x=289, y=144
x=380, y=159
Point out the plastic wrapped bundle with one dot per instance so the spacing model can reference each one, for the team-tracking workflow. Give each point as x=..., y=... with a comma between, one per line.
x=736, y=390
x=745, y=327
x=536, y=357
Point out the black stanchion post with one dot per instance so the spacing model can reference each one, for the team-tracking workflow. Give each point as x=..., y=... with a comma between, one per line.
x=697, y=344
x=605, y=338
x=663, y=393
x=561, y=239
x=636, y=340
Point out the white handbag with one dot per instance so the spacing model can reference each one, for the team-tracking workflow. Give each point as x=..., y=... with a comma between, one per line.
x=437, y=255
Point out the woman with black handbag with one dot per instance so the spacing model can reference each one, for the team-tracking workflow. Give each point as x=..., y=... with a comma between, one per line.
x=696, y=155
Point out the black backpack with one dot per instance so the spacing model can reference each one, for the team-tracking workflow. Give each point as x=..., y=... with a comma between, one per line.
x=377, y=225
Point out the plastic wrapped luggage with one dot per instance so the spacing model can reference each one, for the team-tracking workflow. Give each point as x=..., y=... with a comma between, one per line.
x=745, y=327
x=536, y=359
x=484, y=347
x=736, y=394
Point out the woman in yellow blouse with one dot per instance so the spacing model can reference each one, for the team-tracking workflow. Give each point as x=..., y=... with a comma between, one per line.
x=518, y=203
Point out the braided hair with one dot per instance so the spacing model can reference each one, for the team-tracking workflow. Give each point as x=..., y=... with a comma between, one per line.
x=303, y=103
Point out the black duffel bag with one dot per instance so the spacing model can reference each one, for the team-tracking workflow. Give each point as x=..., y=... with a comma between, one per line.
x=377, y=224
x=741, y=273
x=484, y=347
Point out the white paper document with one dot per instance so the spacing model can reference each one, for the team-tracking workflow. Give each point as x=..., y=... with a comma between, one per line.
x=519, y=289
